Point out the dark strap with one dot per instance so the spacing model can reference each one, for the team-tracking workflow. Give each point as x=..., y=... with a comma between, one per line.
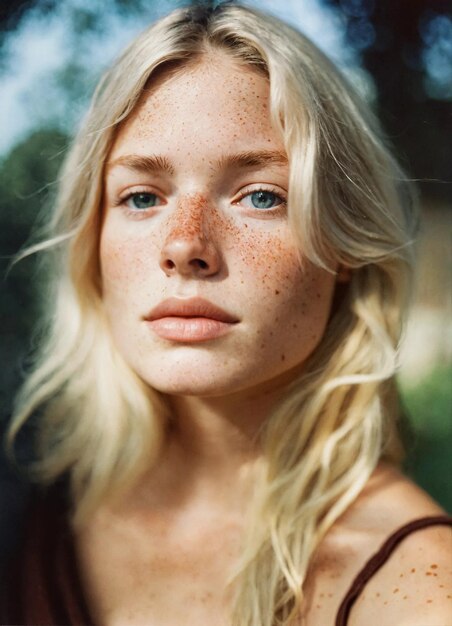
x=44, y=586
x=379, y=559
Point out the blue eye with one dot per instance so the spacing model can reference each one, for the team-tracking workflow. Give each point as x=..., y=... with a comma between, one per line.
x=142, y=200
x=262, y=199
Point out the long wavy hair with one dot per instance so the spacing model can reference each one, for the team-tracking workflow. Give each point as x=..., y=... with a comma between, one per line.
x=349, y=204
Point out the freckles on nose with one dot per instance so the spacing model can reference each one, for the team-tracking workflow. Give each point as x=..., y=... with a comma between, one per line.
x=188, y=220
x=189, y=248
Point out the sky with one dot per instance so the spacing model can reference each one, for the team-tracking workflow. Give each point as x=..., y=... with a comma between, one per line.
x=43, y=45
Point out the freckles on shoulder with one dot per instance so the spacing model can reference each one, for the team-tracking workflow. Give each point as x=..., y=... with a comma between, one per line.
x=414, y=588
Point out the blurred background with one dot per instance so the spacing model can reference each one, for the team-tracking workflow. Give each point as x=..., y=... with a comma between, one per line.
x=398, y=54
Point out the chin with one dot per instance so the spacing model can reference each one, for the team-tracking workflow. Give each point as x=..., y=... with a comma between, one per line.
x=200, y=388
x=195, y=380
x=217, y=381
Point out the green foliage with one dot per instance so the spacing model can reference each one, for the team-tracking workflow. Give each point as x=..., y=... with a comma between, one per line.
x=27, y=183
x=26, y=178
x=429, y=407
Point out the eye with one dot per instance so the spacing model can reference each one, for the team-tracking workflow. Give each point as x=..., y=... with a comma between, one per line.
x=142, y=200
x=262, y=199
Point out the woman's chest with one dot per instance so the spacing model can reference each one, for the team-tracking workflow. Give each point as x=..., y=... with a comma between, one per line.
x=158, y=573
x=161, y=572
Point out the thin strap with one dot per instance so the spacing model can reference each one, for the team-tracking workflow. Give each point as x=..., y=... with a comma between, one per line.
x=379, y=559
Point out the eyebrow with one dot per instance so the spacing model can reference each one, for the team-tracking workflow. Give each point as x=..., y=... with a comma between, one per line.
x=251, y=158
x=142, y=163
x=160, y=164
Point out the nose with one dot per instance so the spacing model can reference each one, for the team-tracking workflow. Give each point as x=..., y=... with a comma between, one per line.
x=188, y=249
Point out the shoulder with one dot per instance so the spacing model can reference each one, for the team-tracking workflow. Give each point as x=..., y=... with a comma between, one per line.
x=413, y=587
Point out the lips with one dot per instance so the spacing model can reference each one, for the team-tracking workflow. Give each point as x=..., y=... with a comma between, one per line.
x=189, y=320
x=193, y=307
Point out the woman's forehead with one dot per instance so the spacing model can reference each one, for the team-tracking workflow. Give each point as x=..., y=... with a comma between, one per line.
x=206, y=76
x=215, y=100
x=212, y=60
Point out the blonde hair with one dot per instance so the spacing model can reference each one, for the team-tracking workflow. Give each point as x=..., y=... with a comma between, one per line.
x=349, y=203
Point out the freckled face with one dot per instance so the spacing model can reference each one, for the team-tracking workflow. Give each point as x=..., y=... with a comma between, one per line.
x=195, y=194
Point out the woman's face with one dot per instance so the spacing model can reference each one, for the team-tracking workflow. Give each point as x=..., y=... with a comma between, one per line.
x=202, y=284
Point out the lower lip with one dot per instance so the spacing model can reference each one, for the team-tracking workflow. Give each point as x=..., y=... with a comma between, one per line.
x=189, y=329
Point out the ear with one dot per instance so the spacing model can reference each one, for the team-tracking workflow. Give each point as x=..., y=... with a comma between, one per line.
x=343, y=274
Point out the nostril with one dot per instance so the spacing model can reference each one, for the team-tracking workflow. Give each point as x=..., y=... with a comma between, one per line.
x=169, y=265
x=202, y=264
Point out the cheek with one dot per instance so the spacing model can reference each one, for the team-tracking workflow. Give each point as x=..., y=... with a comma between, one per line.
x=294, y=297
x=125, y=258
x=271, y=260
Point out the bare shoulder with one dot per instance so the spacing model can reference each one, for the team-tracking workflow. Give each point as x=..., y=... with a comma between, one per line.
x=414, y=586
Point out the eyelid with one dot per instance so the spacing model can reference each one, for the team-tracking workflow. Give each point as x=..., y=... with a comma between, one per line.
x=255, y=187
x=122, y=197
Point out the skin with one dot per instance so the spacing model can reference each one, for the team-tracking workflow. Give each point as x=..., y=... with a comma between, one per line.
x=249, y=255
x=163, y=555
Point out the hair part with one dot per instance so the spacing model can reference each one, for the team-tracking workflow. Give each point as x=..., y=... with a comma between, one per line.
x=349, y=204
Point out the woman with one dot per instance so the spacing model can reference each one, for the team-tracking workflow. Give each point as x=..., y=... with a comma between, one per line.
x=234, y=250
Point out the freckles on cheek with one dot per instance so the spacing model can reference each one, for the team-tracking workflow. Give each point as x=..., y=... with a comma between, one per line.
x=296, y=295
x=271, y=258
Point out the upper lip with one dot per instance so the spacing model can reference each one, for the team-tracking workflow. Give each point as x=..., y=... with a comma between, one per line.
x=192, y=307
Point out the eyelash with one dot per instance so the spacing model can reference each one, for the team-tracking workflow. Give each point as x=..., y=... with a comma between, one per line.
x=135, y=213
x=140, y=213
x=266, y=189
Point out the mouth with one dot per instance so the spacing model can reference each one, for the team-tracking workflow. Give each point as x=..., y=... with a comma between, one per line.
x=189, y=320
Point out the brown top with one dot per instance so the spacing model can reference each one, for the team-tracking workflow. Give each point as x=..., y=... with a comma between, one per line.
x=43, y=584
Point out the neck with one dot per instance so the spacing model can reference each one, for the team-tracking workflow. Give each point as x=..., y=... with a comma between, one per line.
x=212, y=451
x=212, y=454
x=220, y=432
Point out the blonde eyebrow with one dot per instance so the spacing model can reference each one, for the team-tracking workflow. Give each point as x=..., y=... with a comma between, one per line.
x=158, y=163
x=257, y=158
x=141, y=163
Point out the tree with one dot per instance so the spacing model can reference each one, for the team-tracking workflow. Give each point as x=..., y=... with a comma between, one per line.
x=400, y=43
x=27, y=179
